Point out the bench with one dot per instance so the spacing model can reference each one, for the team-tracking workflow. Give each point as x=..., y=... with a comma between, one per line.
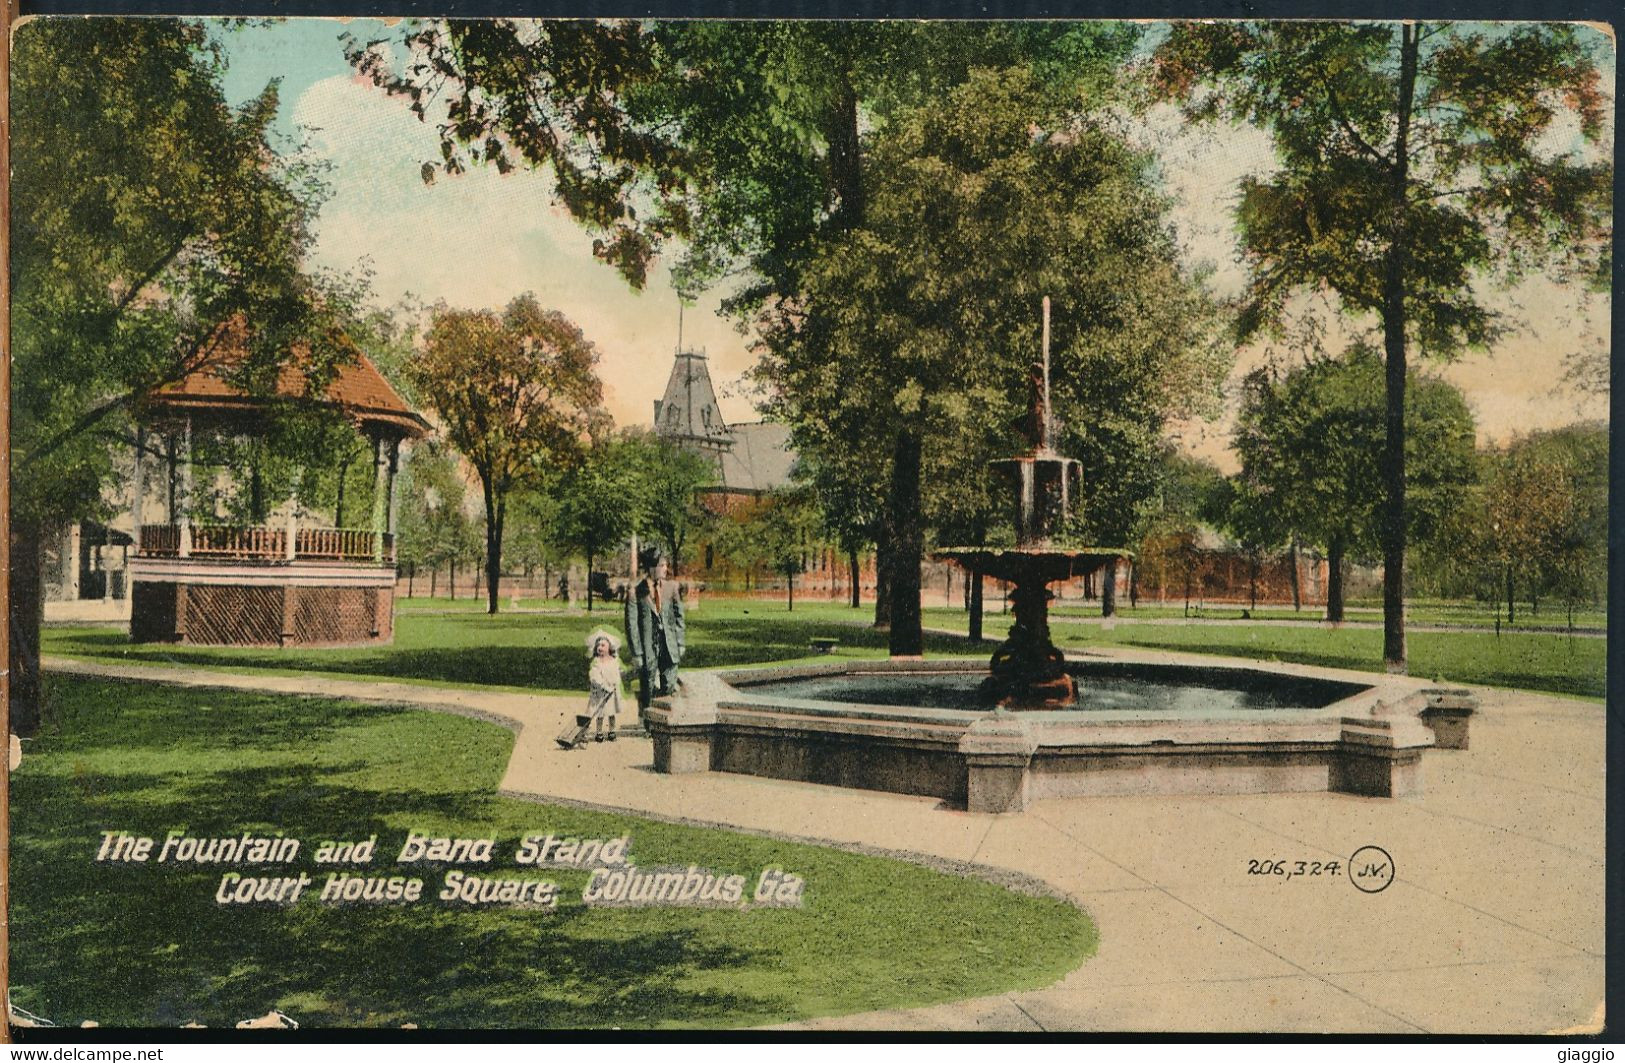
x=823, y=645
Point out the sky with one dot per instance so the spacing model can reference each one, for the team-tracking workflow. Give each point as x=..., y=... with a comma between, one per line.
x=479, y=239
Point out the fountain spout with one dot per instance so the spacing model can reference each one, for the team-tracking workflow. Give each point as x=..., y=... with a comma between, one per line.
x=1027, y=670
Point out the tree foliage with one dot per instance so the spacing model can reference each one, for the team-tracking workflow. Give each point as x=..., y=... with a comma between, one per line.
x=1416, y=158
x=666, y=507
x=914, y=335
x=434, y=526
x=1544, y=516
x=518, y=394
x=740, y=139
x=599, y=503
x=154, y=231
x=179, y=221
x=1310, y=444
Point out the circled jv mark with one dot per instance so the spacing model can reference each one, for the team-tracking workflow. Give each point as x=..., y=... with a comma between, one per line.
x=1371, y=869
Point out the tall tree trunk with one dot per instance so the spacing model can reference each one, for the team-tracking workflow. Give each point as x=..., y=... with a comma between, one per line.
x=908, y=546
x=26, y=613
x=1252, y=580
x=1108, y=590
x=590, y=557
x=1510, y=614
x=1393, y=329
x=494, y=507
x=1334, y=580
x=845, y=160
x=411, y=576
x=883, y=552
x=857, y=586
x=1297, y=590
x=976, y=579
x=434, y=579
x=451, y=577
x=1133, y=585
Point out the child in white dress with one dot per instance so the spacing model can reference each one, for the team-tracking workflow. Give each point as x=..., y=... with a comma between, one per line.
x=604, y=697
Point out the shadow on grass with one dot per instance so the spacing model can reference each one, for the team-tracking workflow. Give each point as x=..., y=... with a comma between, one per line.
x=525, y=651
x=147, y=944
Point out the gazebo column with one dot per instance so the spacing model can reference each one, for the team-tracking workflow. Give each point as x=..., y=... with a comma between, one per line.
x=102, y=556
x=184, y=502
x=394, y=471
x=291, y=547
x=382, y=483
x=137, y=489
x=70, y=562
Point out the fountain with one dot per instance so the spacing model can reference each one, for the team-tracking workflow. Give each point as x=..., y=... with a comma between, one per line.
x=1027, y=671
x=990, y=737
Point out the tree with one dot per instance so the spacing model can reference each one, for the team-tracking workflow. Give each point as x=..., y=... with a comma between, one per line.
x=751, y=142
x=741, y=139
x=1545, y=514
x=433, y=529
x=783, y=529
x=1310, y=442
x=915, y=334
x=668, y=477
x=518, y=395
x=180, y=238
x=1188, y=493
x=598, y=504
x=1415, y=158
x=849, y=499
x=1244, y=508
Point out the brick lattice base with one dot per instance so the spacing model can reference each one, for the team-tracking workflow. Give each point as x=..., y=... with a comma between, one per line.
x=227, y=615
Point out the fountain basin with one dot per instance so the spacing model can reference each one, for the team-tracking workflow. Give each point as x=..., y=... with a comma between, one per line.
x=1337, y=731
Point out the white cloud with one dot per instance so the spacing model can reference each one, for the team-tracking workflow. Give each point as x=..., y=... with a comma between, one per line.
x=480, y=238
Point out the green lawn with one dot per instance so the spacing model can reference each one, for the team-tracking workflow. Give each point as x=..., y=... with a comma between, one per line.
x=543, y=650
x=1455, y=614
x=148, y=945
x=1553, y=663
x=525, y=651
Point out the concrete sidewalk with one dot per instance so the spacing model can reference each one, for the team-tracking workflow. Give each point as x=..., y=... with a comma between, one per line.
x=1493, y=923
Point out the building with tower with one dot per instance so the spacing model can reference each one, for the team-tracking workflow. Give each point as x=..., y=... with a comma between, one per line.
x=751, y=459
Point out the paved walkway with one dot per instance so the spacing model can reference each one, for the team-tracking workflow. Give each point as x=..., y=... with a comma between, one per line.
x=1494, y=923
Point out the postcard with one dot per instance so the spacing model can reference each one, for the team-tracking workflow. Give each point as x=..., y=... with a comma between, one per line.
x=1030, y=527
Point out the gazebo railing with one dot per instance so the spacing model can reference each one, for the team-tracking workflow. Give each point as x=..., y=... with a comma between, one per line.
x=263, y=542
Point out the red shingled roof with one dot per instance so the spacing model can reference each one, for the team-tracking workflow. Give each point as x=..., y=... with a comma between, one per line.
x=358, y=388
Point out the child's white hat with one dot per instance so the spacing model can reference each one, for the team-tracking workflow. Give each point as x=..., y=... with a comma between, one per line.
x=592, y=642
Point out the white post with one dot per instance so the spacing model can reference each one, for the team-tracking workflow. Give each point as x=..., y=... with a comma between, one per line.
x=185, y=504
x=291, y=548
x=70, y=563
x=137, y=490
x=1045, y=428
x=394, y=470
x=380, y=504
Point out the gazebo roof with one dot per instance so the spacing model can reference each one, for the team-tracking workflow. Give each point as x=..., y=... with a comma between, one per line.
x=357, y=388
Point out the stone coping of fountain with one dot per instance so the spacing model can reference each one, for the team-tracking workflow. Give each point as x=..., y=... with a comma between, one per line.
x=1368, y=742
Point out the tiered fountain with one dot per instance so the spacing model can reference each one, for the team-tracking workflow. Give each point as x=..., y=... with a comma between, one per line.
x=1027, y=671
x=1143, y=724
